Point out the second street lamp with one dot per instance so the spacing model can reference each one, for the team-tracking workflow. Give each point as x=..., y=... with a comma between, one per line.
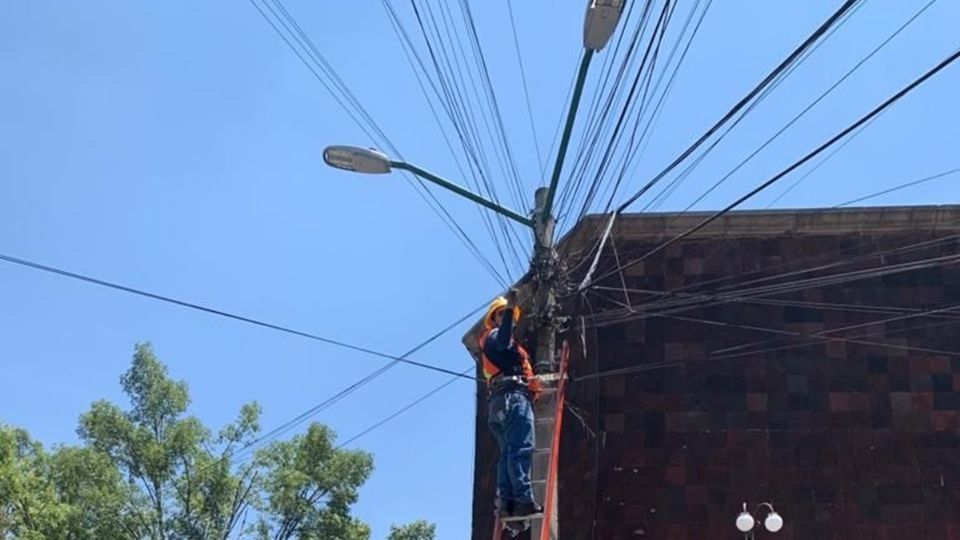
x=600, y=22
x=369, y=161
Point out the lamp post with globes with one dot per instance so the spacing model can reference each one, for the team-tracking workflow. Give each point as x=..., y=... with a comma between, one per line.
x=746, y=523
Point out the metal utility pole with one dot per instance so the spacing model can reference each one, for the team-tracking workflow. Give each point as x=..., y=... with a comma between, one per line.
x=599, y=24
x=544, y=274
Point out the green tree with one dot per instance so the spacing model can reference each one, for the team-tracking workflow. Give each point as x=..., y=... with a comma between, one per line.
x=418, y=530
x=153, y=472
x=72, y=494
x=309, y=488
x=183, y=471
x=28, y=501
x=97, y=502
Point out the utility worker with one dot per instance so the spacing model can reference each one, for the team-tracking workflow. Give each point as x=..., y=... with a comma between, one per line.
x=513, y=388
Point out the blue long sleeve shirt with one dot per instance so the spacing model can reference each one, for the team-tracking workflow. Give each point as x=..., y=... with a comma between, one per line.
x=502, y=350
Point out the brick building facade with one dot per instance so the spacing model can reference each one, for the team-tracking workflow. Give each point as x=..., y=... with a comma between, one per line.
x=810, y=359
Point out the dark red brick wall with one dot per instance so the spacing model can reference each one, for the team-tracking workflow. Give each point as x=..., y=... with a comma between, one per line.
x=848, y=440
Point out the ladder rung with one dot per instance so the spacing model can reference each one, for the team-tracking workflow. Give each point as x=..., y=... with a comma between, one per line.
x=538, y=515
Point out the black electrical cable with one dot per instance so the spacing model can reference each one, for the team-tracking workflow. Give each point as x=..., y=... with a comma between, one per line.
x=406, y=407
x=310, y=56
x=847, y=5
x=213, y=311
x=813, y=104
x=526, y=90
x=370, y=377
x=880, y=108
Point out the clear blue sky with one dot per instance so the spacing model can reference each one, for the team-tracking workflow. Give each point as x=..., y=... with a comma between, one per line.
x=176, y=147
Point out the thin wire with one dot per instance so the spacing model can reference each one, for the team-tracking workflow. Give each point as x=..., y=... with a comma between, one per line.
x=821, y=336
x=220, y=313
x=726, y=298
x=817, y=335
x=307, y=49
x=879, y=109
x=406, y=408
x=882, y=255
x=853, y=136
x=901, y=186
x=813, y=104
x=411, y=53
x=644, y=77
x=526, y=91
x=556, y=135
x=668, y=191
x=493, y=101
x=669, y=364
x=462, y=119
x=745, y=100
x=806, y=283
x=821, y=256
x=370, y=377
x=634, y=154
x=746, y=294
x=601, y=110
x=751, y=287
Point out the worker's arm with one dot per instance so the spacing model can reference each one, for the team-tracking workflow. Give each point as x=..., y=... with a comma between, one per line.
x=502, y=336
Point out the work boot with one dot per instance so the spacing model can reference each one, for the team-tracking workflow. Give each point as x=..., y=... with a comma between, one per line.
x=504, y=508
x=527, y=509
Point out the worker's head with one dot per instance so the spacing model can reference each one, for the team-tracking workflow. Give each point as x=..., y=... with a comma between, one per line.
x=495, y=313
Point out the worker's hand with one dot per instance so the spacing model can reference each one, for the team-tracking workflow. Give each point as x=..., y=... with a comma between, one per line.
x=511, y=297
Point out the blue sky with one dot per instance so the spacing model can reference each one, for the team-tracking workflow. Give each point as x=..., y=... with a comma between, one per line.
x=176, y=147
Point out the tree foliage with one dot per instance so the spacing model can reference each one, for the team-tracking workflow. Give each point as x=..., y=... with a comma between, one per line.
x=418, y=530
x=154, y=472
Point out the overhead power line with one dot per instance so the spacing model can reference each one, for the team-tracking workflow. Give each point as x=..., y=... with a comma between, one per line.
x=818, y=336
x=709, y=356
x=526, y=90
x=220, y=313
x=348, y=390
x=823, y=95
x=833, y=140
x=406, y=407
x=286, y=26
x=814, y=37
x=899, y=187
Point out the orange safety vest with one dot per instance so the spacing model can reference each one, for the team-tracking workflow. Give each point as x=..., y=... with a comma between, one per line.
x=490, y=370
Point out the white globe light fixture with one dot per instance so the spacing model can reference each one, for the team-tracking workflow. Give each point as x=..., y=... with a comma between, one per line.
x=774, y=522
x=745, y=521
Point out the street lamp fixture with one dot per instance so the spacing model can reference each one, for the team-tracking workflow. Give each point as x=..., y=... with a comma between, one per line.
x=354, y=159
x=370, y=161
x=601, y=20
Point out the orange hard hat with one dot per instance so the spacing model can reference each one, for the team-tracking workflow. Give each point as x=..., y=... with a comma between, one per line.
x=498, y=304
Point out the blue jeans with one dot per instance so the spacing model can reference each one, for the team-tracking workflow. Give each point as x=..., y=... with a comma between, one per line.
x=510, y=417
